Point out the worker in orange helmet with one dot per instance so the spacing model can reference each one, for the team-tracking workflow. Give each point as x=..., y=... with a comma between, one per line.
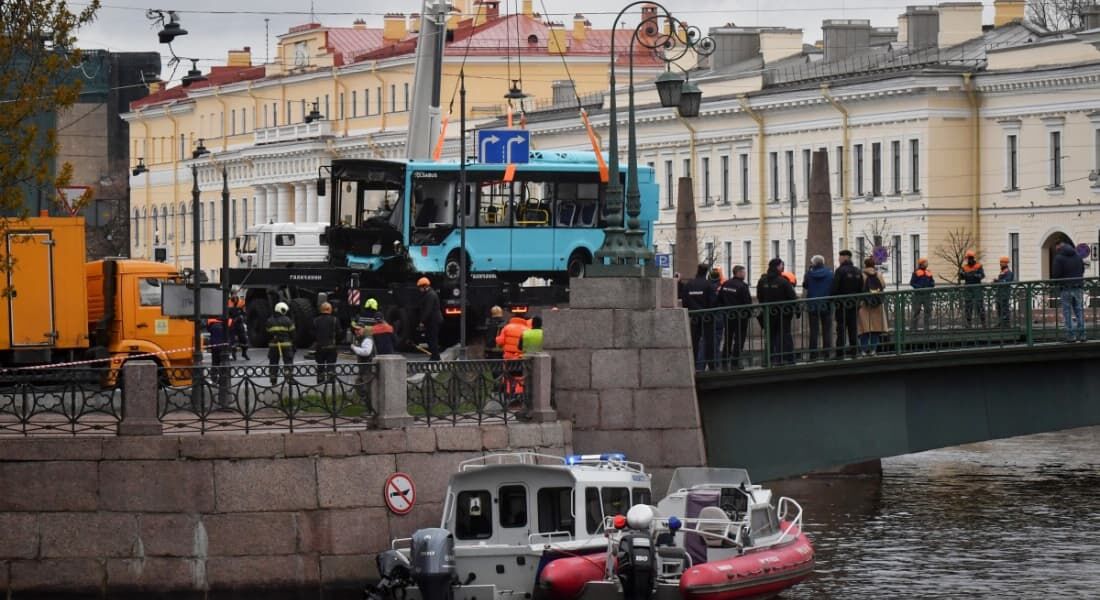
x=431, y=316
x=972, y=273
x=1004, y=292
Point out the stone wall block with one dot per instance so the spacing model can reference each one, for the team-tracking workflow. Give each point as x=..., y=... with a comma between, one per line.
x=667, y=367
x=570, y=328
x=553, y=435
x=55, y=575
x=641, y=446
x=354, y=481
x=681, y=448
x=289, y=571
x=426, y=514
x=420, y=439
x=48, y=486
x=169, y=534
x=431, y=472
x=346, y=443
x=255, y=534
x=258, y=485
x=524, y=436
x=157, y=486
x=614, y=369
x=260, y=445
x=572, y=370
x=494, y=437
x=636, y=293
x=351, y=571
x=582, y=407
x=18, y=536
x=141, y=448
x=384, y=441
x=62, y=448
x=457, y=438
x=155, y=574
x=74, y=535
x=665, y=408
x=616, y=408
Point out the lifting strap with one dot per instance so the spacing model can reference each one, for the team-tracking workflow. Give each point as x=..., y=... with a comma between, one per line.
x=442, y=134
x=595, y=146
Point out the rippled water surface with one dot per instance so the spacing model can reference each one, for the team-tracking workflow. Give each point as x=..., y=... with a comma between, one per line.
x=1016, y=518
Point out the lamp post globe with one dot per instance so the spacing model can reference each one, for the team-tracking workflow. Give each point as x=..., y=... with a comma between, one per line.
x=691, y=97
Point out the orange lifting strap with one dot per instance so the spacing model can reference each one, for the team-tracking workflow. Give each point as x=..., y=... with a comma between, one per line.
x=442, y=134
x=595, y=146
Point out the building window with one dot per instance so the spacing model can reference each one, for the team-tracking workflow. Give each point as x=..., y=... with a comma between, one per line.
x=807, y=164
x=181, y=225
x=859, y=169
x=876, y=169
x=213, y=223
x=791, y=255
x=340, y=112
x=708, y=253
x=706, y=181
x=839, y=171
x=354, y=103
x=366, y=103
x=265, y=116
x=861, y=250
x=773, y=161
x=729, y=260
x=726, y=181
x=378, y=98
x=775, y=249
x=895, y=168
x=743, y=160
x=137, y=227
x=790, y=175
x=393, y=97
x=1013, y=159
x=914, y=248
x=1014, y=253
x=914, y=166
x=687, y=168
x=1056, y=159
x=179, y=156
x=244, y=214
x=746, y=248
x=668, y=184
x=896, y=252
x=406, y=97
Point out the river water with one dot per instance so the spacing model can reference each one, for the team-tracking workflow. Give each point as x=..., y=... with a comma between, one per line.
x=1017, y=518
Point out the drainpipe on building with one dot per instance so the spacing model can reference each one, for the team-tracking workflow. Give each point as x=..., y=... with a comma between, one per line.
x=382, y=104
x=225, y=137
x=761, y=183
x=845, y=133
x=975, y=159
x=175, y=180
x=337, y=87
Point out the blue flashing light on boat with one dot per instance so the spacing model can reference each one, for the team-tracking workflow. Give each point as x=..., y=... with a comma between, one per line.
x=674, y=524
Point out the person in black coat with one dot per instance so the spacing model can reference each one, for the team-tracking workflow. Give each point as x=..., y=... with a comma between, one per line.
x=326, y=328
x=774, y=287
x=1070, y=269
x=431, y=316
x=734, y=293
x=698, y=294
x=847, y=280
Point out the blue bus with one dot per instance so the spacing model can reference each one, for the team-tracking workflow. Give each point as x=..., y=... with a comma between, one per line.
x=399, y=219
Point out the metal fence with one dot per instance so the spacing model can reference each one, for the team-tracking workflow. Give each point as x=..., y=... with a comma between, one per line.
x=73, y=401
x=259, y=398
x=956, y=318
x=469, y=391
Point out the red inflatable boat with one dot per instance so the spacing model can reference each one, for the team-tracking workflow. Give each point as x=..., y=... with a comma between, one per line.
x=755, y=574
x=564, y=578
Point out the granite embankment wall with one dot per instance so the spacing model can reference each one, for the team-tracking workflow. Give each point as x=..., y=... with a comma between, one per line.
x=225, y=516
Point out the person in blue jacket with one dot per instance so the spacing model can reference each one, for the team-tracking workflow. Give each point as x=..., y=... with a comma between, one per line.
x=1069, y=267
x=818, y=283
x=922, y=281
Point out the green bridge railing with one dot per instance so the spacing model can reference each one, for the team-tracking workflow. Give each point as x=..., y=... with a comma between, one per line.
x=943, y=319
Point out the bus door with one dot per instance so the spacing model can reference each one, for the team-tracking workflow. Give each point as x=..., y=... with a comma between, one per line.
x=490, y=241
x=576, y=220
x=533, y=231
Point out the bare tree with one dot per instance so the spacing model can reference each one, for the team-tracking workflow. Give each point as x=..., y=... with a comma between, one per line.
x=953, y=252
x=1058, y=15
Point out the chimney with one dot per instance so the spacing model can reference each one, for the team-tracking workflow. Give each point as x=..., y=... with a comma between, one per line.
x=393, y=27
x=359, y=24
x=883, y=36
x=580, y=29
x=564, y=91
x=556, y=42
x=923, y=26
x=959, y=22
x=414, y=23
x=903, y=29
x=528, y=10
x=239, y=58
x=486, y=11
x=779, y=42
x=1090, y=17
x=733, y=45
x=845, y=37
x=1007, y=11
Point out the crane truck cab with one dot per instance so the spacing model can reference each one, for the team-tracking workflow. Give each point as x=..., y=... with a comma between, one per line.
x=282, y=245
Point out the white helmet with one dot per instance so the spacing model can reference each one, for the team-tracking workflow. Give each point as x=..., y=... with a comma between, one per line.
x=282, y=308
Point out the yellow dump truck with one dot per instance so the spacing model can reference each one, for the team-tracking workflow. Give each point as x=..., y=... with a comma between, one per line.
x=59, y=309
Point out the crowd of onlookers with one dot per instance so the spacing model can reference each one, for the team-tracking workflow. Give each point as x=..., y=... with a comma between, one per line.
x=847, y=302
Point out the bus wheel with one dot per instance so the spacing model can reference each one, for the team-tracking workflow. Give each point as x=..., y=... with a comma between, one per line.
x=577, y=262
x=452, y=268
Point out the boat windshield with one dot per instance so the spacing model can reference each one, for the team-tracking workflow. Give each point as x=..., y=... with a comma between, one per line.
x=689, y=477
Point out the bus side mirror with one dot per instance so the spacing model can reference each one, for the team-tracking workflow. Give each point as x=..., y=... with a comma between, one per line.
x=321, y=186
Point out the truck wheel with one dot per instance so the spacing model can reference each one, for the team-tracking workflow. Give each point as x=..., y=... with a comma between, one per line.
x=398, y=318
x=302, y=312
x=256, y=314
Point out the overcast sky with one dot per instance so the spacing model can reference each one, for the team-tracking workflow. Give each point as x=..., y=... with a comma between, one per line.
x=216, y=26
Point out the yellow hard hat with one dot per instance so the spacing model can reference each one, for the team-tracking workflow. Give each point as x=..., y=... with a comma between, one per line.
x=371, y=304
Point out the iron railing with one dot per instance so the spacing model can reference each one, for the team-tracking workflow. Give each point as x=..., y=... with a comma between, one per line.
x=259, y=398
x=59, y=401
x=955, y=318
x=469, y=391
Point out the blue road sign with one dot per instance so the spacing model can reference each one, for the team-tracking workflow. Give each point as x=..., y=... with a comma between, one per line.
x=664, y=261
x=503, y=146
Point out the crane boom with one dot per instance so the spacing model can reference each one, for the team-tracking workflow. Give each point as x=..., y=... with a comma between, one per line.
x=424, y=114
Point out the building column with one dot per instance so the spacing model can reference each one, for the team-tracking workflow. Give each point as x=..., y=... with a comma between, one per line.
x=311, y=201
x=323, y=207
x=300, y=202
x=272, y=202
x=282, y=203
x=259, y=204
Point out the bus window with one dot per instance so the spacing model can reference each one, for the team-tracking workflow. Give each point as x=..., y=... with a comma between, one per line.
x=433, y=203
x=555, y=509
x=493, y=201
x=535, y=205
x=474, y=516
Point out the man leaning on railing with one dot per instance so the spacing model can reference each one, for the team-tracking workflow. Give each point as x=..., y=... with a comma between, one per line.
x=922, y=282
x=1070, y=270
x=818, y=283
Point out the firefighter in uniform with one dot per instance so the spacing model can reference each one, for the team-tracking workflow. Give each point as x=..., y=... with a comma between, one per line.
x=325, y=328
x=280, y=347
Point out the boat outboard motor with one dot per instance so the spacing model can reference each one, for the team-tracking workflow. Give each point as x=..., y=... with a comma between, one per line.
x=394, y=570
x=636, y=568
x=433, y=563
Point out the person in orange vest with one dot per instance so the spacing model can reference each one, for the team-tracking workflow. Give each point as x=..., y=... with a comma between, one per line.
x=789, y=276
x=238, y=336
x=972, y=273
x=509, y=340
x=922, y=281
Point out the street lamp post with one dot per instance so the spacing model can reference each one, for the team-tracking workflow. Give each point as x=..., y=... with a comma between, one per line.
x=196, y=228
x=624, y=252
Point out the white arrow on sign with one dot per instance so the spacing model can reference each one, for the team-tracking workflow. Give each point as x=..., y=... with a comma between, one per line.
x=508, y=151
x=489, y=139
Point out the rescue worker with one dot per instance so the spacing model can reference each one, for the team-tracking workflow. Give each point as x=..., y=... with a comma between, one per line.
x=238, y=333
x=531, y=340
x=774, y=287
x=922, y=281
x=493, y=326
x=847, y=281
x=510, y=338
x=1004, y=292
x=698, y=294
x=326, y=328
x=972, y=273
x=363, y=346
x=431, y=315
x=733, y=294
x=384, y=337
x=280, y=345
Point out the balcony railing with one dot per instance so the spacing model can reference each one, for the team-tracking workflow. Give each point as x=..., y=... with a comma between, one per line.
x=292, y=133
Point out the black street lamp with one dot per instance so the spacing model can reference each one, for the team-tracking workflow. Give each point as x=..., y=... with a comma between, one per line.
x=196, y=231
x=624, y=252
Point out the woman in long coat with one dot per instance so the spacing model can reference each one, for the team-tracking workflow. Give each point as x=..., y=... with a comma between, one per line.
x=872, y=310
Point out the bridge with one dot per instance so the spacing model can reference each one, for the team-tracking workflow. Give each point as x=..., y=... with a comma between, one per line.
x=957, y=365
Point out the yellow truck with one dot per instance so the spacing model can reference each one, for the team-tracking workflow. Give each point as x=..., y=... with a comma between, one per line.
x=59, y=309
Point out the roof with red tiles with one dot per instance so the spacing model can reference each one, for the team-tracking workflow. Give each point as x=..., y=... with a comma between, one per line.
x=217, y=76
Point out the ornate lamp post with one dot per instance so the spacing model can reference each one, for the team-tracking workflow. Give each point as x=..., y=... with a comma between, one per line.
x=624, y=252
